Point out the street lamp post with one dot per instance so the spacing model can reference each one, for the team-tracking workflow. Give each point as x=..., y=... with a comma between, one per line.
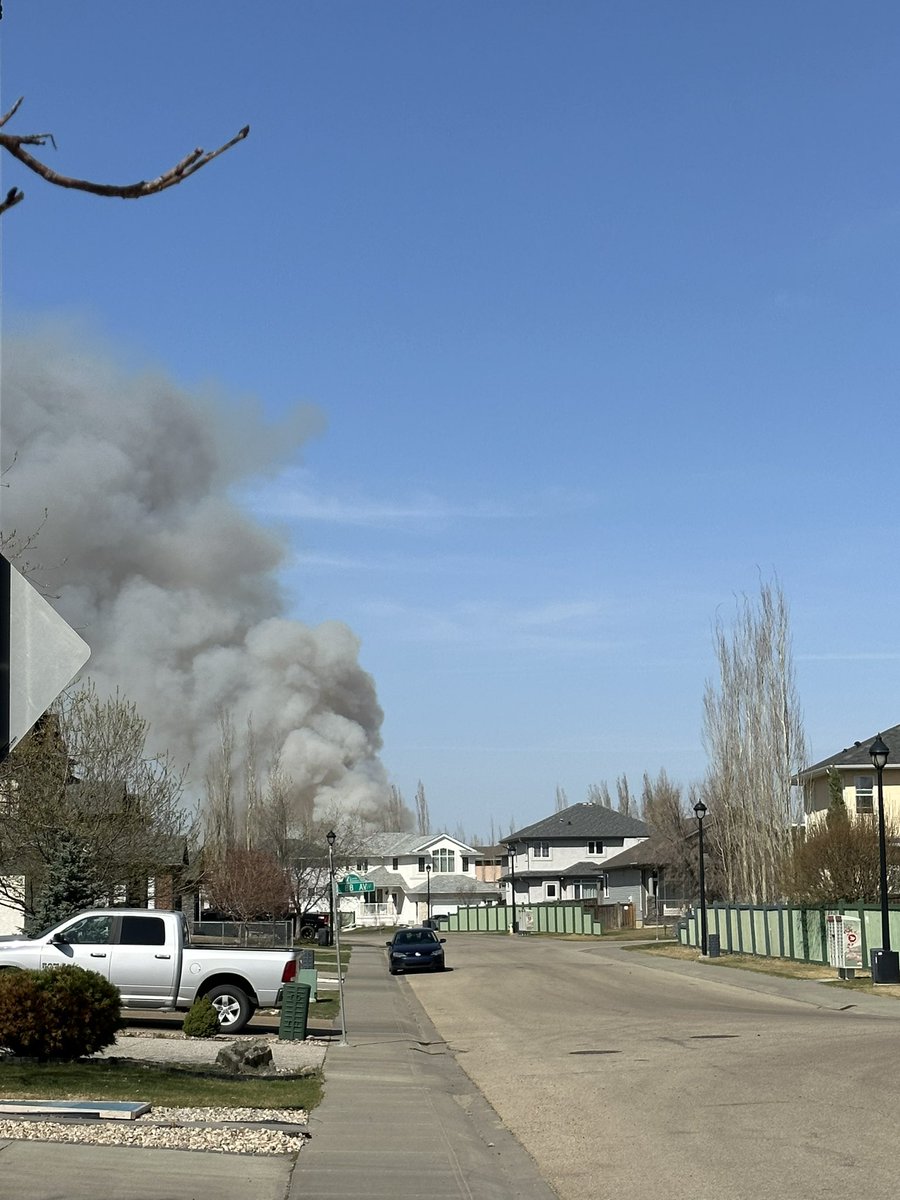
x=511, y=854
x=885, y=962
x=331, y=838
x=700, y=811
x=428, y=888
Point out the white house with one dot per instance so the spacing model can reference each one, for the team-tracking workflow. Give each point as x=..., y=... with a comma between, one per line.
x=563, y=857
x=414, y=873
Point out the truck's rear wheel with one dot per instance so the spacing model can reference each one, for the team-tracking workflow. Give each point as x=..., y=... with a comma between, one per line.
x=233, y=1006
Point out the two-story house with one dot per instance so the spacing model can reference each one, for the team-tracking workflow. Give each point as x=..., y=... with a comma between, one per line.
x=415, y=876
x=858, y=780
x=563, y=857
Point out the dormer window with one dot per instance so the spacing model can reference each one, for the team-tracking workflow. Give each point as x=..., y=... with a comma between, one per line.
x=444, y=860
x=595, y=848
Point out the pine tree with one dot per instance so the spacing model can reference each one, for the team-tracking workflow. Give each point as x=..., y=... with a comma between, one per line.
x=71, y=884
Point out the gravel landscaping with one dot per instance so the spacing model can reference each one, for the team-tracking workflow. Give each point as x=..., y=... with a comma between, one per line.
x=220, y=1130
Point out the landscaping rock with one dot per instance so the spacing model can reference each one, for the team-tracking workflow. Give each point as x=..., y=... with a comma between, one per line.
x=249, y=1057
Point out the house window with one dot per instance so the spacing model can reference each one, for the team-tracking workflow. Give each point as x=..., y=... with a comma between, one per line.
x=595, y=848
x=465, y=864
x=395, y=864
x=540, y=849
x=585, y=889
x=362, y=864
x=444, y=860
x=551, y=891
x=864, y=796
x=421, y=864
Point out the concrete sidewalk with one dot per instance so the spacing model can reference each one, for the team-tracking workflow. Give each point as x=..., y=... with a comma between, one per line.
x=400, y=1118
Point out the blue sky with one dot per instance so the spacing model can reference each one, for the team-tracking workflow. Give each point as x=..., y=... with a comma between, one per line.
x=598, y=303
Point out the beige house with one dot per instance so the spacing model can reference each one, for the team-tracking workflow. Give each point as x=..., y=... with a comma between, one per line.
x=858, y=777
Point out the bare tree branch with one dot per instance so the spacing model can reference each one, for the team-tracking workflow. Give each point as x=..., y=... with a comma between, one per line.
x=189, y=165
x=13, y=196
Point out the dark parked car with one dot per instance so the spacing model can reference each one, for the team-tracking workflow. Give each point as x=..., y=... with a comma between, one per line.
x=415, y=949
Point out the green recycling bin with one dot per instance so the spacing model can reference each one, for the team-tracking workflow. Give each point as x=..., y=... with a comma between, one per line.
x=294, y=1012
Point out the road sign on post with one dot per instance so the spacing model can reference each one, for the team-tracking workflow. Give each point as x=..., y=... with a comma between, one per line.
x=352, y=885
x=39, y=655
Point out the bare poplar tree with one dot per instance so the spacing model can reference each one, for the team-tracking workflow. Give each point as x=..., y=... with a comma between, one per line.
x=562, y=800
x=252, y=791
x=753, y=733
x=218, y=815
x=598, y=793
x=15, y=145
x=423, y=818
x=627, y=803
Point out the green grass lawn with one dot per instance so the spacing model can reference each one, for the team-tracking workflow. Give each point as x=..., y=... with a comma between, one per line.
x=109, y=1079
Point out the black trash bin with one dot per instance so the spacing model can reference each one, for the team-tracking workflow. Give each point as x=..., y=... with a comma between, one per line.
x=294, y=1012
x=323, y=936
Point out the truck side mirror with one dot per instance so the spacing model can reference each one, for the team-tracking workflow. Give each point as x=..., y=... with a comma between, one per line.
x=59, y=939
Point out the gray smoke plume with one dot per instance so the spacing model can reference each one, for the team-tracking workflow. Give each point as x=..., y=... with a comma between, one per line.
x=172, y=585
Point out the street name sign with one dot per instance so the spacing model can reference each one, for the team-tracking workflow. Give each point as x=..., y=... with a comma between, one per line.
x=353, y=884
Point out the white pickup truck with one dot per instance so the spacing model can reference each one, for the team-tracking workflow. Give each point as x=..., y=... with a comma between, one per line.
x=147, y=954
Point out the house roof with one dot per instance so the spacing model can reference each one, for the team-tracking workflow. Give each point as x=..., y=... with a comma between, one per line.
x=384, y=878
x=444, y=884
x=393, y=845
x=858, y=755
x=583, y=821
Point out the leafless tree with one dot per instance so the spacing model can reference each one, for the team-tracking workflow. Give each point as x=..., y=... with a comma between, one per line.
x=837, y=862
x=219, y=825
x=396, y=817
x=249, y=884
x=562, y=800
x=15, y=145
x=598, y=793
x=753, y=732
x=84, y=769
x=423, y=818
x=627, y=803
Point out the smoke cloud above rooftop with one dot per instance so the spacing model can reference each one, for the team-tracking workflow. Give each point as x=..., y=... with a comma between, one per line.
x=174, y=587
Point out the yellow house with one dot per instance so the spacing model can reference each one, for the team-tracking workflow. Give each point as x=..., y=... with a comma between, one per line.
x=859, y=779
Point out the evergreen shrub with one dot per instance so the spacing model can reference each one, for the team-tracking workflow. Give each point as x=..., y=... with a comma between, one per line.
x=201, y=1020
x=59, y=1013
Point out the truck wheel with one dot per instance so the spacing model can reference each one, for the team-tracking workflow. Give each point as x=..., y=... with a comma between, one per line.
x=233, y=1006
x=308, y=933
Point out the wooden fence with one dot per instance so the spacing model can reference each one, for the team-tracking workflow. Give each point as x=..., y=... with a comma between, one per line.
x=783, y=930
x=594, y=919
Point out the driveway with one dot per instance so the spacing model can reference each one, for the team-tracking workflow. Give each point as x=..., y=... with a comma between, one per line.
x=627, y=1076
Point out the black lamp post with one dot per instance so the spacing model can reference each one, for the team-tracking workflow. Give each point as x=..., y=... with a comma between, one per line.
x=885, y=962
x=428, y=888
x=511, y=854
x=700, y=811
x=331, y=838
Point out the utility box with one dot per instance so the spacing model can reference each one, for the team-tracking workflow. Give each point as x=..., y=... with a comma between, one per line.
x=712, y=946
x=307, y=960
x=323, y=936
x=885, y=966
x=311, y=979
x=294, y=1012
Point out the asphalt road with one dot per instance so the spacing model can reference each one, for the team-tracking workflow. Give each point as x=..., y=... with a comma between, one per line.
x=626, y=1076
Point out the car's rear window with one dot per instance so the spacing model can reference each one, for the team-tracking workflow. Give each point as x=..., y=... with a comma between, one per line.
x=143, y=931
